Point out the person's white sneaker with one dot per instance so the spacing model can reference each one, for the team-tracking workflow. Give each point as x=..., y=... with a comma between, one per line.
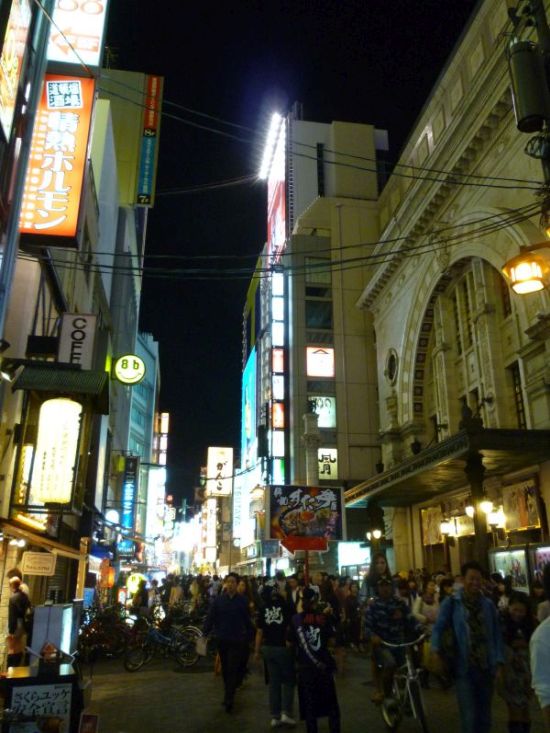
x=275, y=722
x=287, y=720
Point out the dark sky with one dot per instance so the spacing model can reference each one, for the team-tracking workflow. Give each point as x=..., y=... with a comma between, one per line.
x=372, y=61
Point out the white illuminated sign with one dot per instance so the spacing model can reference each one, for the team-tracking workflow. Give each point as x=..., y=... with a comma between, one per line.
x=56, y=451
x=277, y=283
x=278, y=443
x=320, y=361
x=76, y=339
x=325, y=409
x=328, y=463
x=78, y=26
x=211, y=524
x=219, y=471
x=278, y=308
x=278, y=387
x=278, y=334
x=129, y=369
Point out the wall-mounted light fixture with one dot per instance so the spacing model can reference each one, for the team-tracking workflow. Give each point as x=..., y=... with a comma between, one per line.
x=529, y=271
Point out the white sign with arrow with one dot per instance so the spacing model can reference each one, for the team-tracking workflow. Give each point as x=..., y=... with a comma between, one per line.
x=78, y=25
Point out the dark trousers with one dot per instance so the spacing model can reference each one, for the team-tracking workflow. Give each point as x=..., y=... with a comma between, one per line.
x=474, y=691
x=233, y=656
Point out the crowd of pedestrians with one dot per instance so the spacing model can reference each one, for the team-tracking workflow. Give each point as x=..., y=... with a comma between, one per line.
x=479, y=634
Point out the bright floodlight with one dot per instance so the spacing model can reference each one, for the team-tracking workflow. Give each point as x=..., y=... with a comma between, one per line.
x=270, y=143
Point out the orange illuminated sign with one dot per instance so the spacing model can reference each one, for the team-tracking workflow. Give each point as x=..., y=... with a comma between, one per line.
x=278, y=415
x=278, y=360
x=59, y=151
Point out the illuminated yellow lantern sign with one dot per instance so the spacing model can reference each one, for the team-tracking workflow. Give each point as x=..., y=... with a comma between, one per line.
x=56, y=451
x=129, y=369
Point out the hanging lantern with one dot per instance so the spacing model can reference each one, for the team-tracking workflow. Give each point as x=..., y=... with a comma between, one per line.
x=56, y=451
x=527, y=272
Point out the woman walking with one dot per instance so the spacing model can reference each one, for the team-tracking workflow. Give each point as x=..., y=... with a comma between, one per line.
x=514, y=685
x=312, y=633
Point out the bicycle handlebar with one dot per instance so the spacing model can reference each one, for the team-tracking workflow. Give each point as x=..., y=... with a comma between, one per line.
x=405, y=644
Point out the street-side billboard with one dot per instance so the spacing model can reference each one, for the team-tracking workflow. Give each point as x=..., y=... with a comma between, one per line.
x=11, y=60
x=219, y=472
x=54, y=184
x=76, y=35
x=148, y=155
x=128, y=504
x=305, y=511
x=248, y=404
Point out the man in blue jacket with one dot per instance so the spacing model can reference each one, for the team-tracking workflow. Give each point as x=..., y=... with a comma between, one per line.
x=230, y=621
x=477, y=648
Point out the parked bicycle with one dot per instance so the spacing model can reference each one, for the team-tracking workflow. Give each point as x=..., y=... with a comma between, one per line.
x=171, y=643
x=406, y=697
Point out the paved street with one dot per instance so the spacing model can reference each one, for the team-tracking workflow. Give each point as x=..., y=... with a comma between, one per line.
x=163, y=698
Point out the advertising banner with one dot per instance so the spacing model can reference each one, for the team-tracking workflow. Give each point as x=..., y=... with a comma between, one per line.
x=51, y=207
x=11, y=60
x=305, y=511
x=520, y=506
x=129, y=496
x=147, y=170
x=248, y=406
x=219, y=472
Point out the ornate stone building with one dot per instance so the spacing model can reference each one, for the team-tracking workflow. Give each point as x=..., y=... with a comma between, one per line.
x=463, y=362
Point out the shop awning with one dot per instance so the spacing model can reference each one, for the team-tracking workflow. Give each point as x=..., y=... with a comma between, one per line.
x=440, y=468
x=66, y=381
x=37, y=540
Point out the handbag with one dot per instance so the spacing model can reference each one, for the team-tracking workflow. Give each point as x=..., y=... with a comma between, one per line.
x=201, y=646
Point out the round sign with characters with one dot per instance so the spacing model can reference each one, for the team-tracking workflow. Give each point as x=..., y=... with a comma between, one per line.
x=129, y=369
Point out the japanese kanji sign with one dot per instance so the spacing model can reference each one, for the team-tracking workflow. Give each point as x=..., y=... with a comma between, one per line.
x=55, y=174
x=53, y=701
x=306, y=511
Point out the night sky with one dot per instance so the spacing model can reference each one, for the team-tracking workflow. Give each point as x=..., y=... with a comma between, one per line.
x=372, y=61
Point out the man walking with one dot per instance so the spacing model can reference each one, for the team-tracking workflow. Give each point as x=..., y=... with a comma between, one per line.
x=477, y=648
x=273, y=623
x=230, y=621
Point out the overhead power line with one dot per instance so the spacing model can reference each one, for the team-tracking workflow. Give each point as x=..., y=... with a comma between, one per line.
x=231, y=273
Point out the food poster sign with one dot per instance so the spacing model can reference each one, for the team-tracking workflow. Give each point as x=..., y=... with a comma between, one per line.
x=306, y=511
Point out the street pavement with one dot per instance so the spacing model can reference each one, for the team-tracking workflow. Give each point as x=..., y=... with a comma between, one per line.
x=161, y=697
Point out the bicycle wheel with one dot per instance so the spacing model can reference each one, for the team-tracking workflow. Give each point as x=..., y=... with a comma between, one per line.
x=418, y=705
x=392, y=707
x=391, y=713
x=185, y=651
x=137, y=656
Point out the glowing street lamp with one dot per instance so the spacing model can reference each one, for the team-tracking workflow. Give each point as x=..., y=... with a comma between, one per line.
x=529, y=271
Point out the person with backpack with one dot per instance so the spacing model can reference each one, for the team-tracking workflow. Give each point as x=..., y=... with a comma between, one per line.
x=470, y=620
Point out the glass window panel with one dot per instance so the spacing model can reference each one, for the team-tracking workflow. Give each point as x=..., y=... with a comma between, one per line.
x=319, y=314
